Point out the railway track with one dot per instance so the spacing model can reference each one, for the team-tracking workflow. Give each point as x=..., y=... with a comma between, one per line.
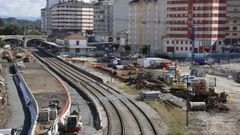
x=124, y=116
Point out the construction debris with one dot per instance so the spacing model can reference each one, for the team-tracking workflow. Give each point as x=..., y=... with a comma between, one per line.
x=197, y=106
x=146, y=81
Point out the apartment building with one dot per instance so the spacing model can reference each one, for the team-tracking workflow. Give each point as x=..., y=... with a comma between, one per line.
x=72, y=16
x=233, y=22
x=146, y=31
x=46, y=20
x=208, y=18
x=53, y=2
x=103, y=19
x=67, y=16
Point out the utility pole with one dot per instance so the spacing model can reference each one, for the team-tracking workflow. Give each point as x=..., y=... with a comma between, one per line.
x=140, y=25
x=193, y=41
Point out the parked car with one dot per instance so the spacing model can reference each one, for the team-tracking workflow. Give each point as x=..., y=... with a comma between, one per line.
x=183, y=76
x=188, y=80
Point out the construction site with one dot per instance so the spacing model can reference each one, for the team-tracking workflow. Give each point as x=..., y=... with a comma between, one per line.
x=169, y=96
x=208, y=93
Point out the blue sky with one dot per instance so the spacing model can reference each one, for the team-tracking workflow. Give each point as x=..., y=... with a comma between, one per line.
x=22, y=8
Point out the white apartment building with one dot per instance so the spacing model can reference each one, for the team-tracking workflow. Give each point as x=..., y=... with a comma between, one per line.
x=233, y=22
x=72, y=16
x=146, y=36
x=53, y=2
x=46, y=20
x=103, y=19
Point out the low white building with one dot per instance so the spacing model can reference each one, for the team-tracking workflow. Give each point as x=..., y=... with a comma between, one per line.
x=75, y=45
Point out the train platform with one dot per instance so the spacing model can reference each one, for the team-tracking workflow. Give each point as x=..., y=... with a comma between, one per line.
x=45, y=88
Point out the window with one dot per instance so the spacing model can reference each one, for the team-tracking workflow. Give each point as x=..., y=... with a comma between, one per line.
x=172, y=42
x=186, y=48
x=177, y=48
x=234, y=28
x=167, y=42
x=181, y=42
x=186, y=42
x=220, y=42
x=177, y=42
x=181, y=48
x=190, y=48
x=77, y=50
x=77, y=42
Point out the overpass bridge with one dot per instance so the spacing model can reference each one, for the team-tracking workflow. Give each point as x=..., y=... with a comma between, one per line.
x=23, y=38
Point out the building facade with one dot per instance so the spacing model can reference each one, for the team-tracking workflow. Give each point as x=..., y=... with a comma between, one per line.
x=233, y=23
x=103, y=19
x=74, y=45
x=46, y=20
x=120, y=15
x=72, y=16
x=67, y=16
x=146, y=31
x=207, y=18
x=53, y=2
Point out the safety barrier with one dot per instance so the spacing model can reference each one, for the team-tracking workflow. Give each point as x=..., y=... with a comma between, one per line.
x=29, y=99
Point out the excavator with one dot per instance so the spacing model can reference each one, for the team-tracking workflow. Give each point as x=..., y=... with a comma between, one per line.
x=72, y=124
x=176, y=84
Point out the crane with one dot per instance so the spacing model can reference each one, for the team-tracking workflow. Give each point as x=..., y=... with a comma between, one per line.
x=140, y=25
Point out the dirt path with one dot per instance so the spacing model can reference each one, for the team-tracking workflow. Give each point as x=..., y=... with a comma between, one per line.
x=206, y=123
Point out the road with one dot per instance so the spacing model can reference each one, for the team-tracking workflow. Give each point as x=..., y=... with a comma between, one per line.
x=16, y=117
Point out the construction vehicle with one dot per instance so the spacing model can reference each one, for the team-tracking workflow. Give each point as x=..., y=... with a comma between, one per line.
x=73, y=122
x=199, y=85
x=173, y=79
x=177, y=85
x=7, y=54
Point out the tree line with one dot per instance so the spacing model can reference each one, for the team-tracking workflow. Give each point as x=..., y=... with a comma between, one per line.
x=13, y=26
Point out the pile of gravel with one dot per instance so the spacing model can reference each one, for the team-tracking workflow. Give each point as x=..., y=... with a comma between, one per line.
x=225, y=70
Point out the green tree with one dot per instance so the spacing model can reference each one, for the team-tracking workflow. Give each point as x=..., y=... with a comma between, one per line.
x=12, y=30
x=35, y=32
x=127, y=47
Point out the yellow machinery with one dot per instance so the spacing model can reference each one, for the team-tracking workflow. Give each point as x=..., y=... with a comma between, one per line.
x=176, y=85
x=175, y=82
